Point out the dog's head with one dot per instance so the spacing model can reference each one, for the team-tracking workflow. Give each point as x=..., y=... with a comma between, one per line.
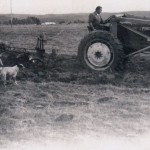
x=21, y=66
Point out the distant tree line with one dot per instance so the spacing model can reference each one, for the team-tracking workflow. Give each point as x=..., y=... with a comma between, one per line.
x=28, y=20
x=79, y=21
x=74, y=21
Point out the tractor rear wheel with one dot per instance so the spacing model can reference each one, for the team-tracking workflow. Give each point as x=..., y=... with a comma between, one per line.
x=100, y=50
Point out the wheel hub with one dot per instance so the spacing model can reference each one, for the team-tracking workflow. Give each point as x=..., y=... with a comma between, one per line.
x=99, y=54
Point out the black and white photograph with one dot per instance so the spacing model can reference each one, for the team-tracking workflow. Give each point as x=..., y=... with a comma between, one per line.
x=74, y=75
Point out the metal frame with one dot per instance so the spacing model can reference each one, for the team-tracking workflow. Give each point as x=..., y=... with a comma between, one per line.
x=130, y=37
x=139, y=51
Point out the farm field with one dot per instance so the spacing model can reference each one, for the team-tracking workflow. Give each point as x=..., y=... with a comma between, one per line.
x=64, y=106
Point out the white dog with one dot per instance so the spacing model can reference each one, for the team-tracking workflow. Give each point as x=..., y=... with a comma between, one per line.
x=11, y=72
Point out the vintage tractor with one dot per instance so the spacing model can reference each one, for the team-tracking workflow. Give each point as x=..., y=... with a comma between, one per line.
x=122, y=37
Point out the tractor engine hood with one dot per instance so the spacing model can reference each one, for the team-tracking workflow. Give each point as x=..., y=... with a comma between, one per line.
x=131, y=19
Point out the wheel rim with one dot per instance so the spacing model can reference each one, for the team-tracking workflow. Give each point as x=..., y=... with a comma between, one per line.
x=99, y=55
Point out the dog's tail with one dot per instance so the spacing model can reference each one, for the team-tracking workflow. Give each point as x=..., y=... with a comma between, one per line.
x=1, y=63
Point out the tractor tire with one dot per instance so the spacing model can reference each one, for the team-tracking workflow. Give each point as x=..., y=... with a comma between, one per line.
x=100, y=51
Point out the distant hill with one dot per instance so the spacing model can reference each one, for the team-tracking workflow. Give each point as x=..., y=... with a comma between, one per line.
x=69, y=17
x=48, y=17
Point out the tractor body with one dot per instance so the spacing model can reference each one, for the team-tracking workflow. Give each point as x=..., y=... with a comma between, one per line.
x=126, y=36
x=133, y=32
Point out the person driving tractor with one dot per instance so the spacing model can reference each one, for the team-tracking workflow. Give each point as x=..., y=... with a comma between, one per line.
x=95, y=19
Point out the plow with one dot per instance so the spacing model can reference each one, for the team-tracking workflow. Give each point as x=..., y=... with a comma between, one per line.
x=11, y=55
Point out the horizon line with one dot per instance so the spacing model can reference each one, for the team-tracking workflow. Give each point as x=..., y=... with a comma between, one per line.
x=68, y=13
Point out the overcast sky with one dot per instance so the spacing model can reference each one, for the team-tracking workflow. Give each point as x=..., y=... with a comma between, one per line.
x=71, y=6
